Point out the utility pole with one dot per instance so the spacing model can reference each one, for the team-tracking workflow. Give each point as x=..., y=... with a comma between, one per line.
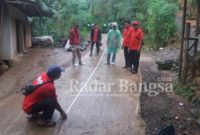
x=197, y=19
x=182, y=40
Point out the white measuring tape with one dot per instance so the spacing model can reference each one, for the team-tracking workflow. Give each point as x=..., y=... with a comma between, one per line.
x=82, y=88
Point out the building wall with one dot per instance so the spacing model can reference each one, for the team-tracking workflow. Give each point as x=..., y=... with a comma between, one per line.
x=21, y=37
x=14, y=38
x=6, y=43
x=14, y=30
x=28, y=35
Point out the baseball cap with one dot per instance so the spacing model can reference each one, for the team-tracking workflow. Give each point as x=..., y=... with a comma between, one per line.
x=55, y=70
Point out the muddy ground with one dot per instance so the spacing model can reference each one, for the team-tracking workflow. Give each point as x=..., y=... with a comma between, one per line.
x=164, y=109
x=33, y=63
x=157, y=111
x=97, y=111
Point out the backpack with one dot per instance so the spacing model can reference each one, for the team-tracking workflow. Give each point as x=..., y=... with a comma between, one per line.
x=30, y=88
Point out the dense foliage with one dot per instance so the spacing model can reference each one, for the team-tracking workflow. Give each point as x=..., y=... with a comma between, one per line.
x=157, y=17
x=160, y=22
x=65, y=13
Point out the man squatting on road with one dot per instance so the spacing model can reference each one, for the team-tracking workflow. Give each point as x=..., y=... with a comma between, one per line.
x=44, y=99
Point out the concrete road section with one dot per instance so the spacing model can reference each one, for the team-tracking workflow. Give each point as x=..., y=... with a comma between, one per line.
x=99, y=99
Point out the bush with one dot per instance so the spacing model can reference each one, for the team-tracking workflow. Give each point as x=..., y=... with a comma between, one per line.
x=160, y=22
x=184, y=91
x=84, y=33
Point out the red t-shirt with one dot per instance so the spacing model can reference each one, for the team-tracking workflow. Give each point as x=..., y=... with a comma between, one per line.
x=45, y=91
x=127, y=36
x=96, y=30
x=136, y=39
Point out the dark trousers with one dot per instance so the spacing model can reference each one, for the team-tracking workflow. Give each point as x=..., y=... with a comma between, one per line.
x=113, y=57
x=46, y=106
x=97, y=46
x=127, y=57
x=135, y=57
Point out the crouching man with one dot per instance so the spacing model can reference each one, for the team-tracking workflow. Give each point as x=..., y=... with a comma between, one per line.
x=44, y=100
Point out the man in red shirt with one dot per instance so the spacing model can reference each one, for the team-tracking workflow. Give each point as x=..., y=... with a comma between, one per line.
x=44, y=98
x=135, y=46
x=74, y=41
x=126, y=42
x=95, y=38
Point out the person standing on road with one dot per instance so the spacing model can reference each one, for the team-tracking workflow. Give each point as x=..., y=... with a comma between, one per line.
x=136, y=42
x=113, y=43
x=95, y=38
x=44, y=99
x=126, y=42
x=74, y=41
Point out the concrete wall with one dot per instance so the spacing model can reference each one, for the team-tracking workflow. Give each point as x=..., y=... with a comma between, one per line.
x=8, y=42
x=28, y=35
x=14, y=38
x=21, y=37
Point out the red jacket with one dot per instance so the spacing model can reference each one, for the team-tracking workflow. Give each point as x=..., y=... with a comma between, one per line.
x=136, y=39
x=93, y=34
x=45, y=91
x=74, y=36
x=127, y=36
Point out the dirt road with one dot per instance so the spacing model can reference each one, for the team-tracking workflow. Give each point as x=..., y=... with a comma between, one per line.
x=93, y=95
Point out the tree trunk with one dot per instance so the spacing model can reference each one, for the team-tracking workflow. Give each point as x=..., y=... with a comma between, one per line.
x=182, y=40
x=197, y=18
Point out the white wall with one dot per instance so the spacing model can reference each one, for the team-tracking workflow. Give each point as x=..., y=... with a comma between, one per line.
x=6, y=43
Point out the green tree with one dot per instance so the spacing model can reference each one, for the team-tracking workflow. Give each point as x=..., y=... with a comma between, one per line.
x=66, y=12
x=161, y=21
x=157, y=17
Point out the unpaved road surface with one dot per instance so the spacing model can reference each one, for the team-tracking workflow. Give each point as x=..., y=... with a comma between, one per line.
x=163, y=109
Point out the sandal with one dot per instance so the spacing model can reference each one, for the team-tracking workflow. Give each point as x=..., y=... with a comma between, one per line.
x=46, y=123
x=32, y=117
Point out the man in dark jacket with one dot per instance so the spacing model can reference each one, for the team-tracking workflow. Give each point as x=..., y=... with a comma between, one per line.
x=44, y=99
x=95, y=38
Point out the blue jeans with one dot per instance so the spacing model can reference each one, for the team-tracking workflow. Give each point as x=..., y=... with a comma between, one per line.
x=113, y=57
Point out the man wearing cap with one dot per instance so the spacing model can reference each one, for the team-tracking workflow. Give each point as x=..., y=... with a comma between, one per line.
x=74, y=41
x=44, y=99
x=126, y=42
x=95, y=38
x=136, y=40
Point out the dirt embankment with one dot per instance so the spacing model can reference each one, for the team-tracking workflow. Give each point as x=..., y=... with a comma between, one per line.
x=166, y=108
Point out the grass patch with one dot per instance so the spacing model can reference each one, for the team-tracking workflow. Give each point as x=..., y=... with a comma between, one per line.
x=187, y=92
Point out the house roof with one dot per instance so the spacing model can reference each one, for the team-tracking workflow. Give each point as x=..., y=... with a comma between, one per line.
x=30, y=7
